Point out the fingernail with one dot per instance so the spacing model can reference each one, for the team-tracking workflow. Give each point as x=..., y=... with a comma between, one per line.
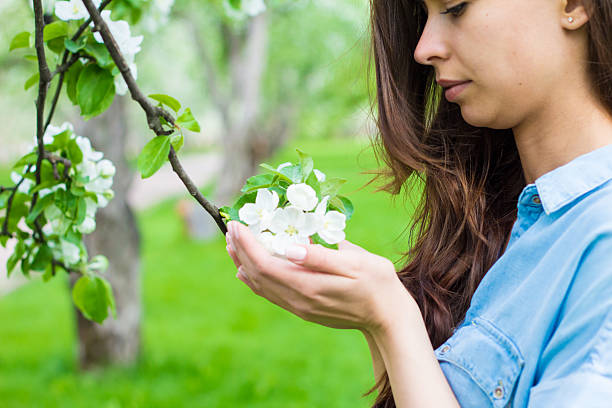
x=235, y=231
x=296, y=253
x=231, y=243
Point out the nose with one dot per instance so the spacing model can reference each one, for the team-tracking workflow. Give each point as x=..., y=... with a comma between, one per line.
x=432, y=45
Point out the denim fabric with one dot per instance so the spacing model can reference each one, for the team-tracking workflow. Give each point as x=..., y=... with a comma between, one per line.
x=538, y=332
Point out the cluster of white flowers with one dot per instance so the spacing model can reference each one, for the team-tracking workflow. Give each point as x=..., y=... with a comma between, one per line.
x=278, y=228
x=128, y=46
x=94, y=174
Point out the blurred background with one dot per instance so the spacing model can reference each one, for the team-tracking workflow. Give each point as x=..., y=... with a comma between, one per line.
x=188, y=332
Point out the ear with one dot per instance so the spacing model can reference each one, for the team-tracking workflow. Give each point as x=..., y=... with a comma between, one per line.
x=573, y=14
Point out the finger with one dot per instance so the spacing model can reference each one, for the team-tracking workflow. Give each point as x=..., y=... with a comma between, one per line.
x=245, y=279
x=349, y=246
x=321, y=259
x=248, y=250
x=232, y=255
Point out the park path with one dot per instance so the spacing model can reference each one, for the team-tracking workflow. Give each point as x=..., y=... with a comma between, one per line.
x=142, y=194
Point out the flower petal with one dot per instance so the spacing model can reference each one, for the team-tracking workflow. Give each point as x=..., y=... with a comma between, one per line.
x=248, y=213
x=302, y=196
x=335, y=220
x=332, y=236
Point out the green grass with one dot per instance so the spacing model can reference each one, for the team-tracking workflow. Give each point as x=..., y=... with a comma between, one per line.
x=208, y=341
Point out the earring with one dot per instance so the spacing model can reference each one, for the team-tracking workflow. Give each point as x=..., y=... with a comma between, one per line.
x=570, y=19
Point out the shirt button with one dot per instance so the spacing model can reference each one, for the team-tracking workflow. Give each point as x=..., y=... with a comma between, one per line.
x=445, y=349
x=536, y=199
x=499, y=392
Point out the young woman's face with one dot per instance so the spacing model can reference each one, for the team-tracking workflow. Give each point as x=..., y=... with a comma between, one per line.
x=515, y=53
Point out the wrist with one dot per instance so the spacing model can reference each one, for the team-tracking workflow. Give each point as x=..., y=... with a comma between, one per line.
x=396, y=308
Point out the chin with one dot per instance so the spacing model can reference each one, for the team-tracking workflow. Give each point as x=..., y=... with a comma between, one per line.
x=479, y=117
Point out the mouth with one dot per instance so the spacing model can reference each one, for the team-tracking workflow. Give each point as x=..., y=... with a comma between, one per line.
x=452, y=90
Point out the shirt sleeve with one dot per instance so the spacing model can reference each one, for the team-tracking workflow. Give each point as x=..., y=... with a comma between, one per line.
x=575, y=369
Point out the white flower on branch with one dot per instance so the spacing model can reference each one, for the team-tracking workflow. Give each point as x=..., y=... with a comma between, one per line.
x=72, y=9
x=302, y=196
x=128, y=46
x=291, y=226
x=257, y=215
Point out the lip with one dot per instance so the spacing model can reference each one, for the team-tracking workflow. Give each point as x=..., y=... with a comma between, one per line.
x=452, y=89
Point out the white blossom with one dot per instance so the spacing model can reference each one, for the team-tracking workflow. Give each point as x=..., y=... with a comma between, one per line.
x=120, y=30
x=121, y=87
x=25, y=185
x=302, y=196
x=291, y=226
x=266, y=239
x=330, y=225
x=88, y=152
x=105, y=168
x=72, y=9
x=257, y=215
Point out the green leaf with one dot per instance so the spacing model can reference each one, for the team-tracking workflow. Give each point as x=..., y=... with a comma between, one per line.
x=331, y=186
x=71, y=77
x=43, y=257
x=257, y=182
x=245, y=198
x=348, y=206
x=313, y=182
x=56, y=45
x=153, y=156
x=48, y=272
x=15, y=257
x=100, y=53
x=167, y=100
x=90, y=295
x=274, y=171
x=29, y=158
x=31, y=81
x=177, y=139
x=293, y=173
x=39, y=207
x=46, y=184
x=74, y=46
x=81, y=211
x=306, y=164
x=229, y=214
x=19, y=209
x=95, y=91
x=74, y=152
x=55, y=30
x=110, y=298
x=21, y=40
x=187, y=121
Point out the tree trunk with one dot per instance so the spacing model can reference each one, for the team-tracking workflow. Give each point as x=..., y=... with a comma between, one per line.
x=117, y=237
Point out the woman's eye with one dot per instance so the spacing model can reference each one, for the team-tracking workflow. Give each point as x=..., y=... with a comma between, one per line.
x=457, y=10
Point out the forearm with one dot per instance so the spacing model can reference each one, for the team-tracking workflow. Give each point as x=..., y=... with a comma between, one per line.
x=414, y=372
x=377, y=360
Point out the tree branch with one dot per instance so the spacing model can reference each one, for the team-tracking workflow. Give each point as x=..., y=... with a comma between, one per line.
x=153, y=112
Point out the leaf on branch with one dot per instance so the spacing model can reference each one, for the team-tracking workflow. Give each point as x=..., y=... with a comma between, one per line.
x=257, y=182
x=55, y=30
x=39, y=207
x=95, y=91
x=42, y=258
x=74, y=152
x=187, y=121
x=71, y=77
x=167, y=100
x=74, y=46
x=100, y=53
x=177, y=139
x=331, y=186
x=21, y=40
x=93, y=296
x=29, y=158
x=153, y=156
x=306, y=164
x=15, y=257
x=31, y=81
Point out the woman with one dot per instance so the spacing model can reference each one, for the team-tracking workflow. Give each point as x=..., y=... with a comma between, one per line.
x=509, y=284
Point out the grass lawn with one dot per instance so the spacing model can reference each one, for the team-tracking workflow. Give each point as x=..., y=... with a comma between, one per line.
x=208, y=341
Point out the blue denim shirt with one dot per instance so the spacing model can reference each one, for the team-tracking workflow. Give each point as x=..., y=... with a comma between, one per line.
x=538, y=332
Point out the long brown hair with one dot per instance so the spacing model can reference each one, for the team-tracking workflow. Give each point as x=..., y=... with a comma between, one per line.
x=468, y=178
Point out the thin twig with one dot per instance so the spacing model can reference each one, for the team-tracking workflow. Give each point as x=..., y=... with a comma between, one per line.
x=153, y=112
x=9, y=204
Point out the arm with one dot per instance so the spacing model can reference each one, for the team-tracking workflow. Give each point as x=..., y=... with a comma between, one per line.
x=414, y=372
x=377, y=360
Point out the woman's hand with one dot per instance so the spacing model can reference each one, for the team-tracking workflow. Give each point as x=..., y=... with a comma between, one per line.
x=348, y=288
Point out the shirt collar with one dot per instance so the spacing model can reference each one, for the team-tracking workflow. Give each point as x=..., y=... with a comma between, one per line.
x=564, y=184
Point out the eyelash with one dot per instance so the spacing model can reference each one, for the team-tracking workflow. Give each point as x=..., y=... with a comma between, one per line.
x=457, y=10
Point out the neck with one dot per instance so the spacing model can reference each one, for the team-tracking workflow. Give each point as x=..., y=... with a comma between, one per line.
x=563, y=130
